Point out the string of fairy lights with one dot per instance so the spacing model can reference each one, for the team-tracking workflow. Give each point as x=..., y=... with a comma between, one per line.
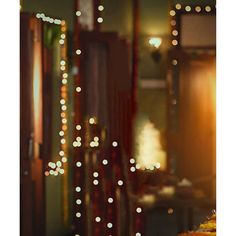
x=56, y=168
x=186, y=9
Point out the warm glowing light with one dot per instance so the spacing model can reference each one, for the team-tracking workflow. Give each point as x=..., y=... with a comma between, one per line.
x=174, y=62
x=63, y=68
x=155, y=42
x=95, y=182
x=178, y=6
x=59, y=164
x=78, y=201
x=91, y=121
x=174, y=42
x=64, y=81
x=65, y=75
x=138, y=210
x=64, y=107
x=109, y=225
x=78, y=13
x=96, y=139
x=95, y=174
x=100, y=20
x=170, y=211
x=75, y=144
x=61, y=41
x=63, y=63
x=38, y=15
x=92, y=144
x=52, y=165
x=110, y=200
x=97, y=219
x=100, y=7
x=77, y=189
x=158, y=165
x=114, y=144
x=46, y=173
x=132, y=161
x=55, y=173
x=198, y=9
x=61, y=171
x=104, y=162
x=173, y=23
x=132, y=169
x=175, y=32
x=64, y=120
x=64, y=159
x=120, y=183
x=78, y=214
x=138, y=234
x=137, y=166
x=188, y=8
x=78, y=164
x=208, y=8
x=78, y=127
x=149, y=149
x=51, y=172
x=78, y=139
x=63, y=141
x=78, y=52
x=63, y=36
x=172, y=13
x=78, y=89
x=62, y=101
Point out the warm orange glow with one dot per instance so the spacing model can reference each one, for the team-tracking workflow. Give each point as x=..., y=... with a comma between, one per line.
x=37, y=88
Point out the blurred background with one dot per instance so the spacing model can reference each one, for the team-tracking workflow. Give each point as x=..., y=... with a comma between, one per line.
x=117, y=116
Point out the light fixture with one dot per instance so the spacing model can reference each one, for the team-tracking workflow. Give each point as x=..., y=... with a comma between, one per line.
x=155, y=42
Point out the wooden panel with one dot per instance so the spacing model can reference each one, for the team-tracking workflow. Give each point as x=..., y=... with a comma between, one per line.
x=197, y=122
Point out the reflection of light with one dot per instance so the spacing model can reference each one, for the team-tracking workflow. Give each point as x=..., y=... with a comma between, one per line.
x=97, y=219
x=155, y=42
x=138, y=234
x=120, y=182
x=95, y=182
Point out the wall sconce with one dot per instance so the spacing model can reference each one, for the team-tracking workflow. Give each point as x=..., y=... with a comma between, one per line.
x=155, y=43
